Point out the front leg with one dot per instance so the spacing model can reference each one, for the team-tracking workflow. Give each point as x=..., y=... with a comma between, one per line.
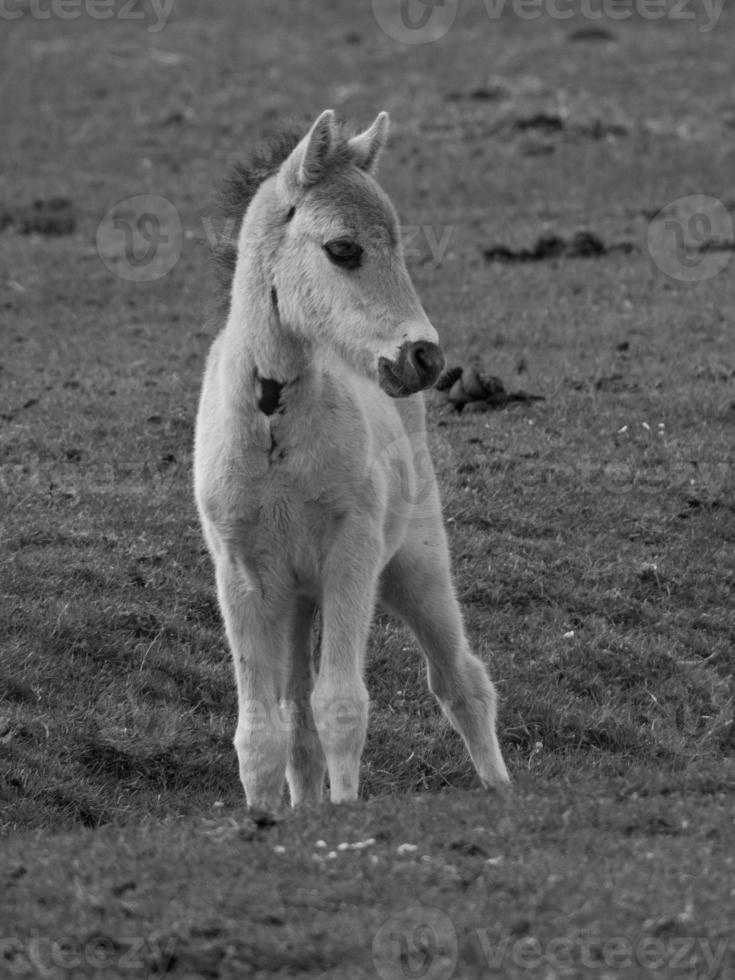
x=340, y=699
x=258, y=635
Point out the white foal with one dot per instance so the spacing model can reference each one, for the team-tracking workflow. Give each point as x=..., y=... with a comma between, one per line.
x=309, y=432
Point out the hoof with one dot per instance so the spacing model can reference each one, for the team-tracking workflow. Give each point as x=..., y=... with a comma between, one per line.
x=261, y=817
x=500, y=788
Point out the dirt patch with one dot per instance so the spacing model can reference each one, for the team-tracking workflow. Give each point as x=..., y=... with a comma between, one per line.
x=591, y=34
x=53, y=216
x=582, y=245
x=468, y=389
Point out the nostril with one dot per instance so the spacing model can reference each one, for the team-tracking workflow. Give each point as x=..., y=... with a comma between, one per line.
x=420, y=358
x=426, y=359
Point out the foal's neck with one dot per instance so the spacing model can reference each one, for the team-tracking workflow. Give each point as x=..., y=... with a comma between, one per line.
x=259, y=343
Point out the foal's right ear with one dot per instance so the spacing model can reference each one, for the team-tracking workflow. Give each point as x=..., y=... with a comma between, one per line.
x=307, y=163
x=367, y=146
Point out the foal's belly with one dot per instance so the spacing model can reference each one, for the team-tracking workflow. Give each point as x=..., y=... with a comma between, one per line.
x=300, y=531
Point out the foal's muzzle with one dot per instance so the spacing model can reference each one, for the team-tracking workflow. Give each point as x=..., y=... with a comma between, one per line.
x=418, y=365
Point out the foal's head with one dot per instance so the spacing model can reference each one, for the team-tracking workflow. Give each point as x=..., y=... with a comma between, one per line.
x=334, y=258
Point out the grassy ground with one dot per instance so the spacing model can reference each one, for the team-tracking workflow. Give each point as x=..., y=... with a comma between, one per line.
x=592, y=534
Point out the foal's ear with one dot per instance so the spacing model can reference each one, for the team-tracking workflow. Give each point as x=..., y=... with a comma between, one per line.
x=367, y=146
x=307, y=164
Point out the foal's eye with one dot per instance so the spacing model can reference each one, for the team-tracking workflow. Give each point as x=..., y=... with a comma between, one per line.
x=344, y=252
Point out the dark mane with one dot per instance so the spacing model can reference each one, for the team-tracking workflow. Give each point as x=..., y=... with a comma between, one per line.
x=234, y=196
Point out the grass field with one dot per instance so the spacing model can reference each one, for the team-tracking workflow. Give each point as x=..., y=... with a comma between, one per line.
x=593, y=533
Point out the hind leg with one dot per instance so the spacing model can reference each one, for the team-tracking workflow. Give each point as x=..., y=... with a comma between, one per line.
x=417, y=586
x=306, y=764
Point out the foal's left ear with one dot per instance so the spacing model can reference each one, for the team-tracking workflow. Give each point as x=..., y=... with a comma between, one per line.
x=367, y=147
x=308, y=162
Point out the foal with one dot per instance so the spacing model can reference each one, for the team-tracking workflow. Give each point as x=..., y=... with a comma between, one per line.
x=310, y=472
